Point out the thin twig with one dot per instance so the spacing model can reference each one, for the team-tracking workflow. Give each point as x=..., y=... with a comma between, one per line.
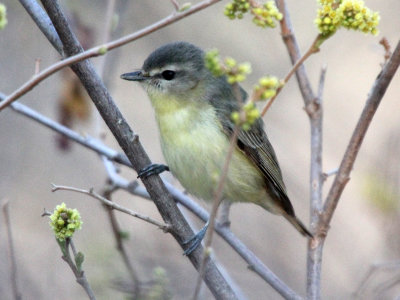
x=88, y=142
x=106, y=34
x=107, y=192
x=101, y=50
x=371, y=271
x=294, y=52
x=175, y=4
x=164, y=227
x=214, y=210
x=313, y=49
x=11, y=251
x=330, y=173
x=386, y=46
x=78, y=272
x=37, y=65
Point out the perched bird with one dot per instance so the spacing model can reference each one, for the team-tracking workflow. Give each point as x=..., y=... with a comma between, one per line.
x=193, y=110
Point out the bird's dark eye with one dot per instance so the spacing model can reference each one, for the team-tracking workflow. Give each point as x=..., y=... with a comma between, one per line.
x=168, y=74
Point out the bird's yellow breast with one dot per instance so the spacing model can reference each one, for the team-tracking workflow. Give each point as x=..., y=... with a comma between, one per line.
x=195, y=148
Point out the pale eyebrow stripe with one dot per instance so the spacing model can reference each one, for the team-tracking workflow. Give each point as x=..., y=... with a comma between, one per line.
x=167, y=67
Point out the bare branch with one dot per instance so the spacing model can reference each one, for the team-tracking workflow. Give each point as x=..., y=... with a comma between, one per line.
x=330, y=173
x=42, y=20
x=294, y=52
x=11, y=250
x=106, y=34
x=223, y=217
x=107, y=192
x=314, y=110
x=111, y=204
x=371, y=271
x=175, y=4
x=77, y=270
x=313, y=49
x=386, y=46
x=375, y=96
x=88, y=142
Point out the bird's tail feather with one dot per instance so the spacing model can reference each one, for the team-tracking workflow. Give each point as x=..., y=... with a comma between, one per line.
x=298, y=225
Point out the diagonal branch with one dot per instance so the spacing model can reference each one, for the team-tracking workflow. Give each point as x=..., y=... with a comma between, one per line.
x=375, y=96
x=42, y=21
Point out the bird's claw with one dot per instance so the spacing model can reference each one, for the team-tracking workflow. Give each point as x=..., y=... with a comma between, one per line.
x=153, y=169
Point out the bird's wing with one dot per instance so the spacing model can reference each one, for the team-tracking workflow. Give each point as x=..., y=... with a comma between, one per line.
x=255, y=144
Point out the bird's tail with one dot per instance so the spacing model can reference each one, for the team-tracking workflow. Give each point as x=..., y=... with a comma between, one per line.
x=298, y=225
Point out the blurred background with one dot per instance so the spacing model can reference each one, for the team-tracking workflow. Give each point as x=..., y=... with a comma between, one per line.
x=365, y=226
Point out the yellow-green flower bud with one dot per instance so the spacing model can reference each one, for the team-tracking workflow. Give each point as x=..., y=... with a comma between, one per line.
x=230, y=62
x=235, y=116
x=65, y=221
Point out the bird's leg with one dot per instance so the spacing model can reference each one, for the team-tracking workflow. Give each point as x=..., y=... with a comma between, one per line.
x=153, y=169
x=223, y=213
x=195, y=240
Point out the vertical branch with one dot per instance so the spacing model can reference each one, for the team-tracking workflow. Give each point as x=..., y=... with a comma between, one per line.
x=294, y=52
x=313, y=106
x=11, y=251
x=314, y=261
x=107, y=192
x=106, y=30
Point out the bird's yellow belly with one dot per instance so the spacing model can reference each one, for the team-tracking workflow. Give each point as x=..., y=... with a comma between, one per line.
x=195, y=149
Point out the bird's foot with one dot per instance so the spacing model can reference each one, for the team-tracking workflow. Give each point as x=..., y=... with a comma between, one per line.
x=195, y=240
x=153, y=169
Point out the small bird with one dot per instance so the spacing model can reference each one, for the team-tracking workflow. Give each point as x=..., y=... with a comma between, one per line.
x=193, y=110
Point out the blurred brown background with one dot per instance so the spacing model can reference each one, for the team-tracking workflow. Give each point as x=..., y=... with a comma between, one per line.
x=365, y=227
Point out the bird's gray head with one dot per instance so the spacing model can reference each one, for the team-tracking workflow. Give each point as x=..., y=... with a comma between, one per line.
x=174, y=68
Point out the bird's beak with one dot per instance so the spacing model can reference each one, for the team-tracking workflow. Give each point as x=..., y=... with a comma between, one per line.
x=135, y=76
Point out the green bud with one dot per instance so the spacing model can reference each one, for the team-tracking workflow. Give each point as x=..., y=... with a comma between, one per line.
x=185, y=6
x=102, y=50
